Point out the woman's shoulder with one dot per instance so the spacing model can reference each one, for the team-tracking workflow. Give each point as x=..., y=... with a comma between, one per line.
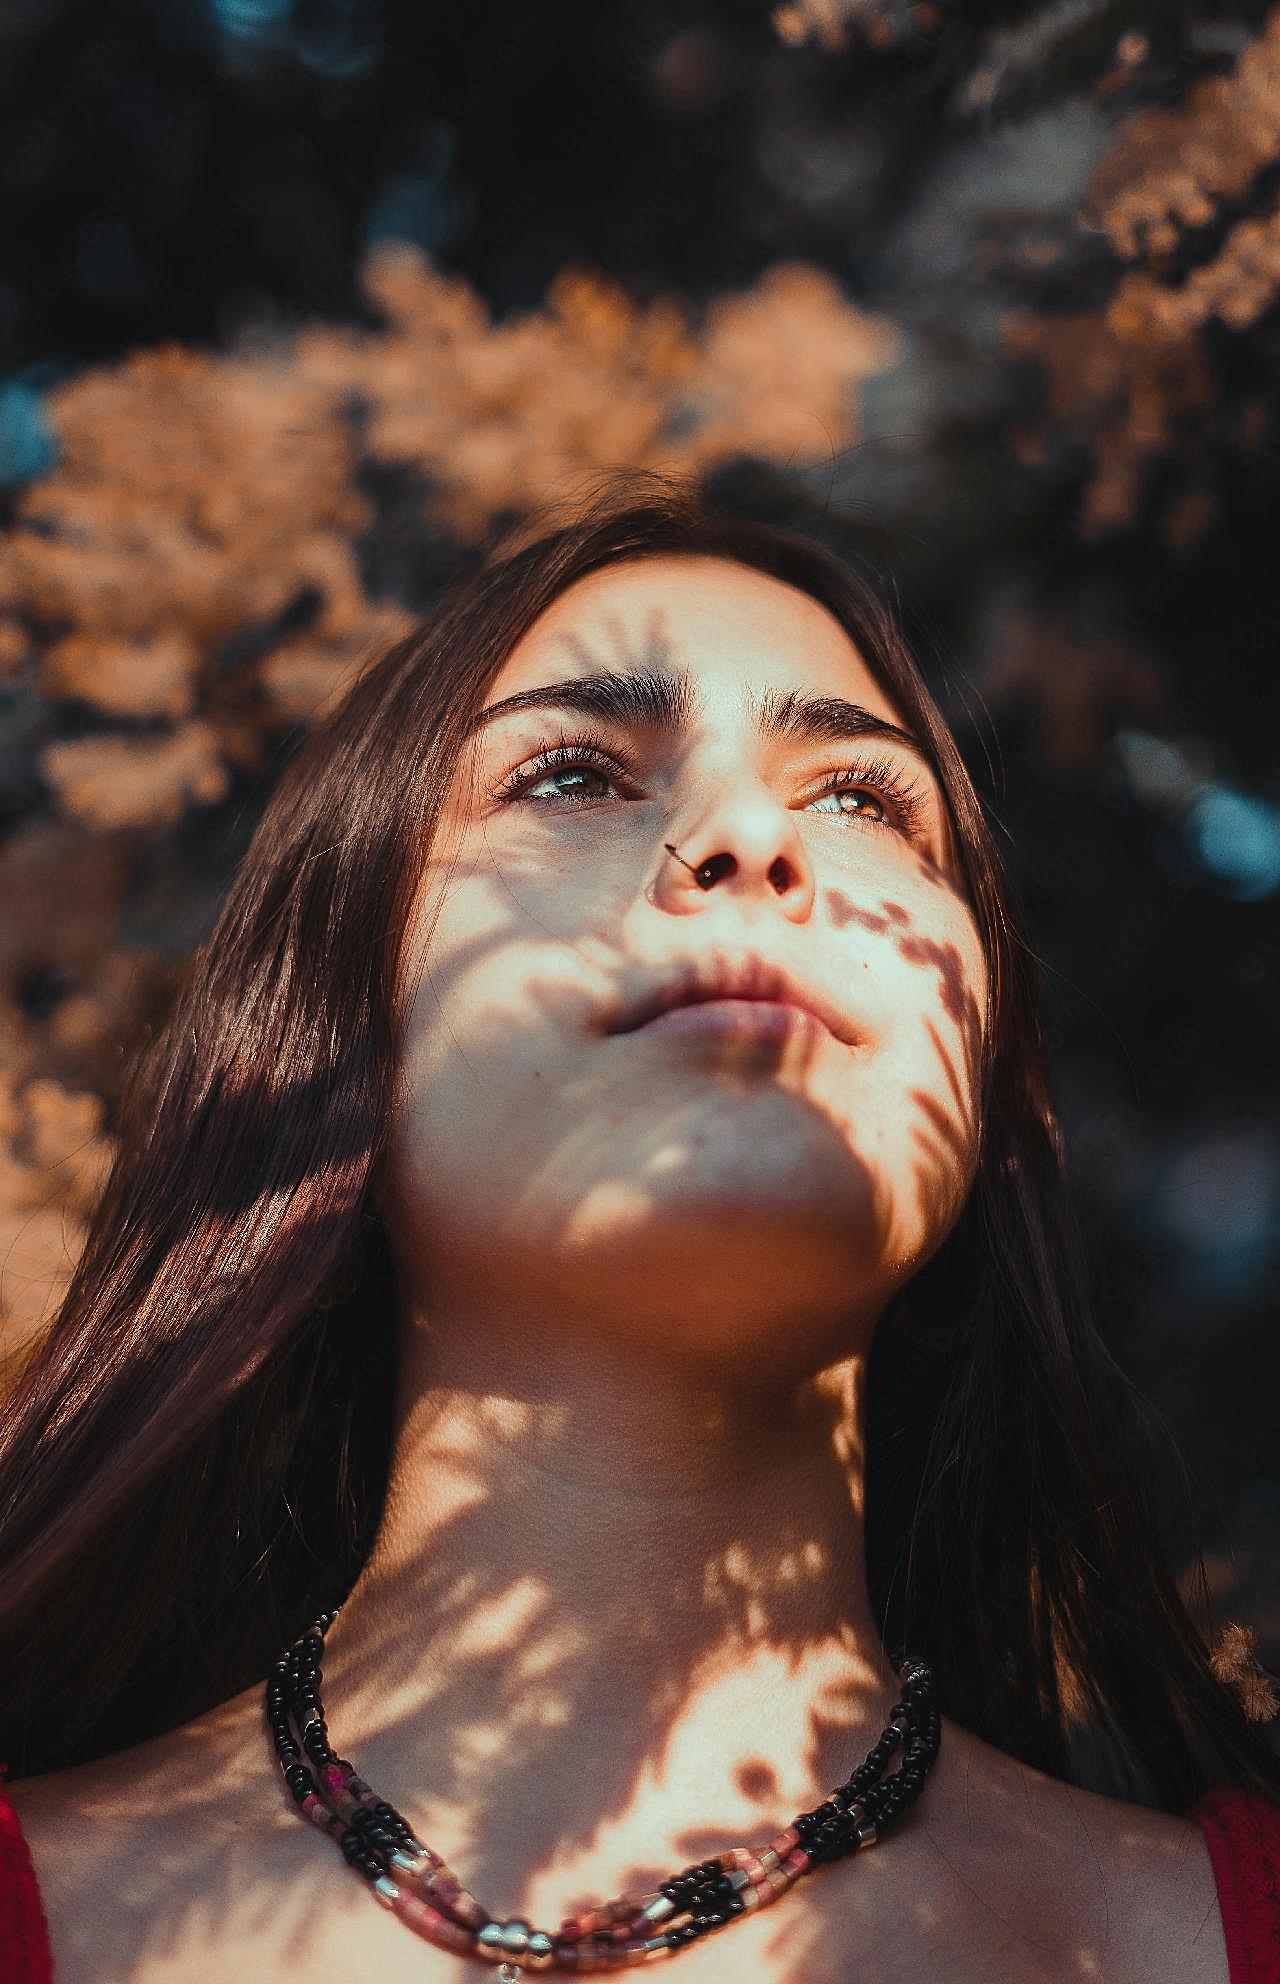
x=1198, y=1892
x=1092, y=1884
x=130, y=1850
x=78, y=1831
x=41, y=1818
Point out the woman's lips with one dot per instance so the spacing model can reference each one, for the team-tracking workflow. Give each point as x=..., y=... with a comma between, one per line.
x=740, y=1019
x=721, y=978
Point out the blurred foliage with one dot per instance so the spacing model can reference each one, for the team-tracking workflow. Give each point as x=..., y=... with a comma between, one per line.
x=314, y=300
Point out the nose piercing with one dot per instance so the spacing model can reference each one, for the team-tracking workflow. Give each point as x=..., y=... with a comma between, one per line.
x=704, y=876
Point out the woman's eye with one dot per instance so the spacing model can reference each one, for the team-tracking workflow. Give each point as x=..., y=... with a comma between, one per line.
x=571, y=782
x=859, y=792
x=901, y=805
x=568, y=773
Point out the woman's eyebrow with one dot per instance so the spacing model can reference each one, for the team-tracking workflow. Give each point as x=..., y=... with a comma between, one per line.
x=658, y=699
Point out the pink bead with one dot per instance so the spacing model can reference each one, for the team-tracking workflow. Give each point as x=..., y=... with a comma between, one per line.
x=333, y=1779
x=796, y=1862
x=783, y=1844
x=317, y=1811
x=417, y=1913
x=452, y=1936
x=468, y=1910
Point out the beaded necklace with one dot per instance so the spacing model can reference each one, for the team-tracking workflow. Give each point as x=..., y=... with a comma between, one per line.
x=414, y=1882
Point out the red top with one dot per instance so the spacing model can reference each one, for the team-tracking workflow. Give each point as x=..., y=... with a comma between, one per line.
x=1242, y=1834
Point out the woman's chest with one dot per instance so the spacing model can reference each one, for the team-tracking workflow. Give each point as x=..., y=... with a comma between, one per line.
x=227, y=1889
x=325, y=1928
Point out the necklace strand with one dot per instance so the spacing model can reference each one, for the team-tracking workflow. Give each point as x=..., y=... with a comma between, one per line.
x=413, y=1881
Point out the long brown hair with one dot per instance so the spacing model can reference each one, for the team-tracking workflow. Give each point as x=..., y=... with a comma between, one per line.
x=194, y=1458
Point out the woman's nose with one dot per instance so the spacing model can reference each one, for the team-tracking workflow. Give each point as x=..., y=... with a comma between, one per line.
x=750, y=848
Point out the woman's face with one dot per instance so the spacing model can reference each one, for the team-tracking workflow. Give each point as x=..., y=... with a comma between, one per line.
x=558, y=1159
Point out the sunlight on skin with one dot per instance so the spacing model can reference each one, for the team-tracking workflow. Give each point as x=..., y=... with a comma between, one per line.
x=675, y=1792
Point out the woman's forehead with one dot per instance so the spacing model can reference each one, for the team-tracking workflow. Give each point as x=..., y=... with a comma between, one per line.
x=709, y=618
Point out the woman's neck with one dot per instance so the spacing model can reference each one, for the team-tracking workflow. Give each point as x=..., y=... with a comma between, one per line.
x=613, y=1618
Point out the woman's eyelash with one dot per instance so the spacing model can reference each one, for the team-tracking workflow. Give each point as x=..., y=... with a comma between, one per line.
x=569, y=752
x=905, y=797
x=904, y=800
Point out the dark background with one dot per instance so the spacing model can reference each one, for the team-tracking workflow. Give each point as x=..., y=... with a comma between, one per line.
x=1069, y=479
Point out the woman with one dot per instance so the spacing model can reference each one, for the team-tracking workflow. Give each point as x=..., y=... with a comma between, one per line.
x=603, y=1152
